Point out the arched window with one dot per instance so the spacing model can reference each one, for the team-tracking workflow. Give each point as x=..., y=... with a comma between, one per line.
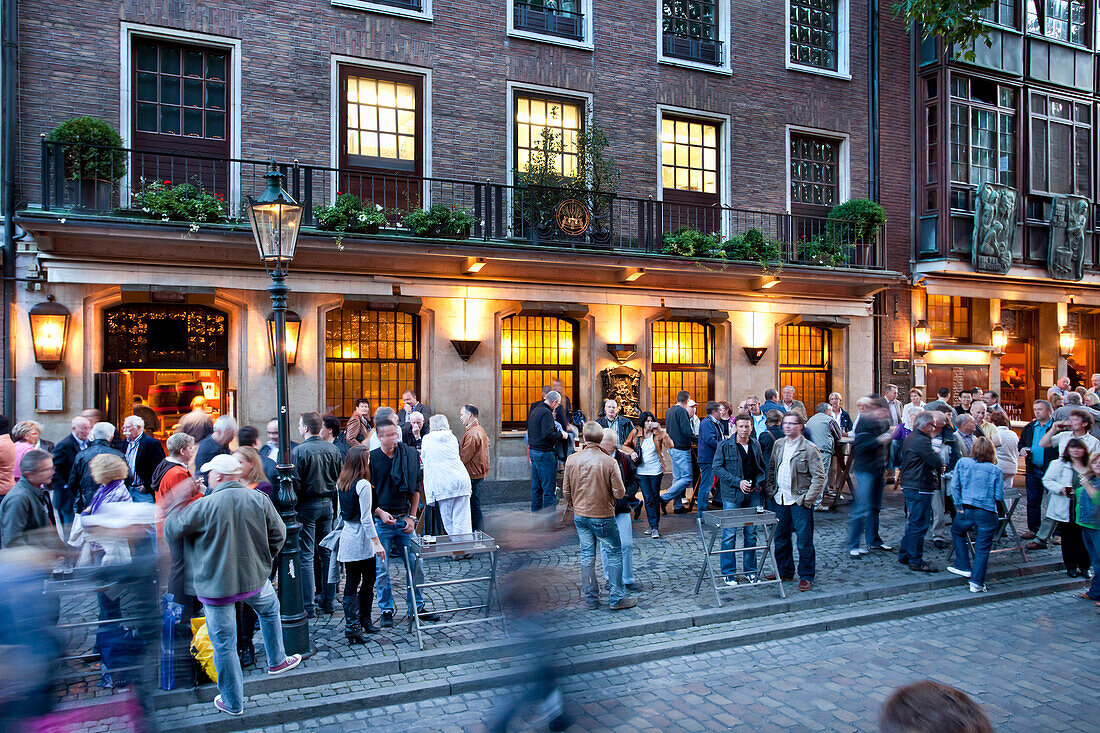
x=534, y=350
x=370, y=353
x=804, y=363
x=683, y=358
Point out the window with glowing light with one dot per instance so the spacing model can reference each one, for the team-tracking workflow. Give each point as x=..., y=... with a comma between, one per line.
x=372, y=354
x=804, y=363
x=546, y=123
x=949, y=317
x=535, y=350
x=380, y=119
x=683, y=358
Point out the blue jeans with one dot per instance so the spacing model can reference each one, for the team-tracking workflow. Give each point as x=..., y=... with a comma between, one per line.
x=544, y=471
x=396, y=540
x=651, y=495
x=221, y=623
x=625, y=523
x=729, y=536
x=706, y=487
x=681, y=476
x=1091, y=538
x=800, y=520
x=868, y=504
x=315, y=516
x=1034, y=491
x=476, y=516
x=589, y=531
x=919, y=508
x=985, y=522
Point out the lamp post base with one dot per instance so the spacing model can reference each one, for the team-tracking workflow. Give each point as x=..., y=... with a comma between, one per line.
x=292, y=613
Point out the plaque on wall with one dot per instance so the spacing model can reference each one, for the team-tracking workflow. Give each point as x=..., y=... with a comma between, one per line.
x=1066, y=253
x=994, y=228
x=620, y=383
x=900, y=367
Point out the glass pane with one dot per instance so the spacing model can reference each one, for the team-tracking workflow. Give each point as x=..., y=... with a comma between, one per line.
x=387, y=119
x=215, y=95
x=406, y=122
x=170, y=120
x=192, y=92
x=147, y=117
x=406, y=96
x=169, y=60
x=406, y=147
x=147, y=87
x=192, y=122
x=192, y=63
x=215, y=125
x=169, y=90
x=215, y=66
x=387, y=146
x=369, y=144
x=146, y=57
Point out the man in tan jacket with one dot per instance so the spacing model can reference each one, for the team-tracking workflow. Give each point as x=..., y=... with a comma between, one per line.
x=473, y=450
x=591, y=485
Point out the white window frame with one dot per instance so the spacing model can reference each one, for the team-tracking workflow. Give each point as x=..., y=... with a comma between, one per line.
x=424, y=14
x=725, y=188
x=586, y=44
x=338, y=60
x=125, y=117
x=723, y=10
x=843, y=61
x=844, y=187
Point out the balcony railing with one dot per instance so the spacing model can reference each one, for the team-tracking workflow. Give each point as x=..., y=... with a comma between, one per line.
x=690, y=48
x=546, y=17
x=104, y=181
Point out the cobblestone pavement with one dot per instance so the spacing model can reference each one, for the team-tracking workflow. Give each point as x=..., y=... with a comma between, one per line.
x=1029, y=662
x=668, y=568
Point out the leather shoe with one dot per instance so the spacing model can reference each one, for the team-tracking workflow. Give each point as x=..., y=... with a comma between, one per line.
x=805, y=585
x=1028, y=535
x=427, y=616
x=922, y=567
x=940, y=544
x=786, y=578
x=624, y=603
x=1034, y=545
x=387, y=619
x=1073, y=573
x=681, y=510
x=247, y=655
x=634, y=587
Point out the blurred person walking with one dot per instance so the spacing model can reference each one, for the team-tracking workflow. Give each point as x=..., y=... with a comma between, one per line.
x=591, y=485
x=678, y=425
x=232, y=519
x=359, y=550
x=870, y=444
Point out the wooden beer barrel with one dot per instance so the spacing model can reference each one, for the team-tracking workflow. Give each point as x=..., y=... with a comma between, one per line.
x=163, y=399
x=185, y=392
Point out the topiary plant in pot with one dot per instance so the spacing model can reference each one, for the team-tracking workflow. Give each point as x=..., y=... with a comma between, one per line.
x=93, y=158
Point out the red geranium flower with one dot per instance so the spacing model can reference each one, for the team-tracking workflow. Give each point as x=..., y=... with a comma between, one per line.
x=167, y=183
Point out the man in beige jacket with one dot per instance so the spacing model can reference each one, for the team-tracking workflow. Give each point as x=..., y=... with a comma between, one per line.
x=473, y=450
x=591, y=485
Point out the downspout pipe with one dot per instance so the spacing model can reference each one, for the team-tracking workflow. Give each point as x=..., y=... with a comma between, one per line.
x=10, y=117
x=873, y=187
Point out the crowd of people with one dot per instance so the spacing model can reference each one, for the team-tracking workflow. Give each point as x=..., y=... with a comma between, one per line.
x=952, y=462
x=355, y=492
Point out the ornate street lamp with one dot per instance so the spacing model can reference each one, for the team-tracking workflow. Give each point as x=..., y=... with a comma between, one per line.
x=999, y=340
x=275, y=218
x=293, y=328
x=49, y=332
x=1066, y=341
x=922, y=338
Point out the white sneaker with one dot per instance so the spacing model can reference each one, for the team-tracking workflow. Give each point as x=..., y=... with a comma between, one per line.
x=648, y=532
x=960, y=573
x=656, y=535
x=750, y=578
x=975, y=588
x=731, y=582
x=857, y=553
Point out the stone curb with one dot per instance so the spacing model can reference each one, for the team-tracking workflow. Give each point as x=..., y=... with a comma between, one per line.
x=467, y=653
x=261, y=715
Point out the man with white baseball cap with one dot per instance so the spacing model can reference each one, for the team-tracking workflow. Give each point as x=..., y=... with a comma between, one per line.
x=238, y=522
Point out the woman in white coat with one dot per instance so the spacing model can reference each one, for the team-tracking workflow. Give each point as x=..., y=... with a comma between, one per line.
x=446, y=480
x=1062, y=477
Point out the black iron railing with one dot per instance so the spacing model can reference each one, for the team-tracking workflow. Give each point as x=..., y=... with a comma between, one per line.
x=108, y=181
x=547, y=16
x=703, y=50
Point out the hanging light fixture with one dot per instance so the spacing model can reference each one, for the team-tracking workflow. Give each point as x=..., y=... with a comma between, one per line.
x=49, y=332
x=622, y=353
x=465, y=348
x=999, y=340
x=1067, y=340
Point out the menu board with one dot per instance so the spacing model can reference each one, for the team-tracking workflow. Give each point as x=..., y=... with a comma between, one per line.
x=957, y=378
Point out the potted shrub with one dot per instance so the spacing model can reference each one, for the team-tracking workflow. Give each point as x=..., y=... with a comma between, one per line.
x=179, y=202
x=90, y=172
x=753, y=246
x=348, y=214
x=688, y=242
x=440, y=221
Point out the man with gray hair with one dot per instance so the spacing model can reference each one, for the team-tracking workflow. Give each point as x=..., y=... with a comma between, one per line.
x=217, y=443
x=64, y=455
x=81, y=484
x=921, y=465
x=143, y=454
x=544, y=437
x=26, y=514
x=824, y=432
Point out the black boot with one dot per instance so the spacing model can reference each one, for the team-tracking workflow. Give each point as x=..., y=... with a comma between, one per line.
x=353, y=630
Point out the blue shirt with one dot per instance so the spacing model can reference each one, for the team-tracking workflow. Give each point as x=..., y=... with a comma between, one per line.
x=1036, y=436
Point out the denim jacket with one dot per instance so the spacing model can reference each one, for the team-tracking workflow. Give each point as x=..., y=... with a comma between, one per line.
x=978, y=485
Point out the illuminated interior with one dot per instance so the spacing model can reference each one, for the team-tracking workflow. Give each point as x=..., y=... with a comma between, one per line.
x=563, y=119
x=804, y=363
x=683, y=358
x=534, y=351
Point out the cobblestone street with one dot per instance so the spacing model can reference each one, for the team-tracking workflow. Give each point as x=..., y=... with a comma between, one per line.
x=1030, y=663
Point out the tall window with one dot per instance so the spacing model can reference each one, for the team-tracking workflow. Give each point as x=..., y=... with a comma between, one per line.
x=691, y=30
x=1062, y=20
x=561, y=18
x=815, y=171
x=1001, y=12
x=1061, y=145
x=372, y=354
x=683, y=358
x=804, y=363
x=381, y=122
x=534, y=351
x=689, y=156
x=949, y=317
x=548, y=123
x=983, y=132
x=814, y=33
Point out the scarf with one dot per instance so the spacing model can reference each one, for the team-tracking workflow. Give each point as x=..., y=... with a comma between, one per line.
x=114, y=491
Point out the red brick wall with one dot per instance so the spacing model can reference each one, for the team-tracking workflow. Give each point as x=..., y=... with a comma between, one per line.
x=70, y=66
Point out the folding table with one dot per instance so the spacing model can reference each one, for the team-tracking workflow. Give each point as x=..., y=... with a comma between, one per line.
x=711, y=525
x=1005, y=528
x=447, y=547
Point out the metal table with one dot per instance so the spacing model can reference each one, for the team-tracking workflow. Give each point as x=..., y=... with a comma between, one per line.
x=717, y=521
x=1005, y=529
x=447, y=547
